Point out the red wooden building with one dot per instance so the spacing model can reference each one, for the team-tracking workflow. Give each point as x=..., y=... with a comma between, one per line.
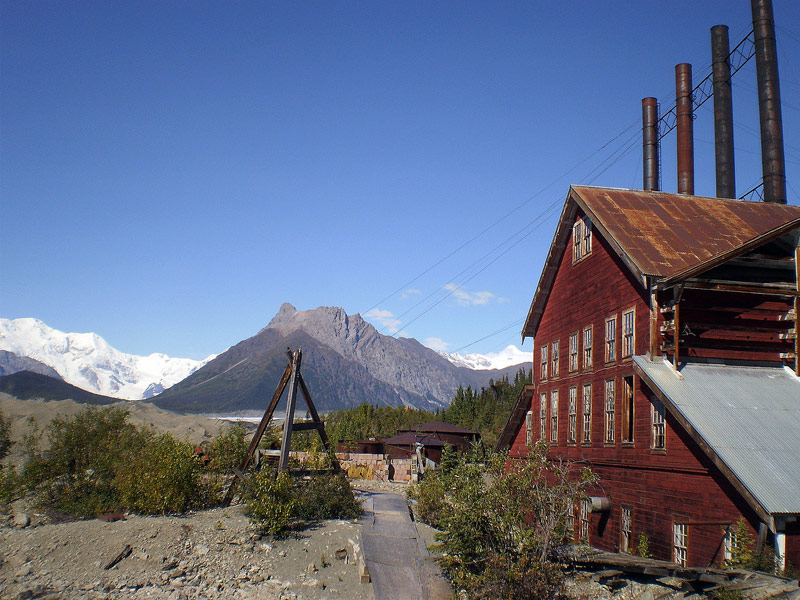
x=666, y=358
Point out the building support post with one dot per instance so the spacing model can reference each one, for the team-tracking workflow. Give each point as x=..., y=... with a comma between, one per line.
x=283, y=462
x=654, y=311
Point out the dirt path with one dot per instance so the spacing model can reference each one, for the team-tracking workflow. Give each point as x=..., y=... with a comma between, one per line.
x=395, y=553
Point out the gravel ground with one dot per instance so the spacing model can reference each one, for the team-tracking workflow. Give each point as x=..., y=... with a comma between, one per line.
x=210, y=554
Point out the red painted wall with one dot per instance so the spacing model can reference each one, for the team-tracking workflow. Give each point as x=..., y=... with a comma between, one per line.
x=660, y=487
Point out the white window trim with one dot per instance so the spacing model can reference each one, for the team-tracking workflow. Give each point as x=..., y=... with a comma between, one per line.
x=586, y=427
x=554, y=416
x=588, y=349
x=611, y=344
x=610, y=397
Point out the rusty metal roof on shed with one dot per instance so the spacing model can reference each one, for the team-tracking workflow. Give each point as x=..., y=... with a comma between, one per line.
x=747, y=417
x=663, y=236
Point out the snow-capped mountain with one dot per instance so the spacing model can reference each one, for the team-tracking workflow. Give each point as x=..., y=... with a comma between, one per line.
x=508, y=357
x=87, y=361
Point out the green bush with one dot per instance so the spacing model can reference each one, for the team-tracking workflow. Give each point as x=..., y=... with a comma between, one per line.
x=270, y=503
x=429, y=498
x=503, y=522
x=325, y=496
x=5, y=437
x=228, y=450
x=275, y=503
x=163, y=478
x=10, y=484
x=76, y=474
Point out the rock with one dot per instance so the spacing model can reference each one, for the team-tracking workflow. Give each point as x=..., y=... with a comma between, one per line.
x=23, y=571
x=21, y=520
x=311, y=568
x=340, y=553
x=201, y=550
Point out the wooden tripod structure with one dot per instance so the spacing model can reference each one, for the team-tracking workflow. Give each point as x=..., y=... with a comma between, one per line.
x=294, y=378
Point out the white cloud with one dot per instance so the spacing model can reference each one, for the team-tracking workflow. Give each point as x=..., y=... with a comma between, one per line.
x=435, y=343
x=410, y=292
x=384, y=318
x=465, y=298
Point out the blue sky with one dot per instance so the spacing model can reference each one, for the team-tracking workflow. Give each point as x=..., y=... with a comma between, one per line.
x=171, y=172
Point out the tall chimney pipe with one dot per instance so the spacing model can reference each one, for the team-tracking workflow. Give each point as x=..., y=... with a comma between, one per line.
x=723, y=112
x=683, y=103
x=769, y=103
x=650, y=148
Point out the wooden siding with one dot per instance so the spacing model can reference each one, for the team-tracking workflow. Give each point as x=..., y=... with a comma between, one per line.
x=661, y=487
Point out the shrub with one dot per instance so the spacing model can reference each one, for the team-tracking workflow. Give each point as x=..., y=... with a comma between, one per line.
x=5, y=437
x=76, y=474
x=643, y=546
x=163, y=478
x=429, y=497
x=10, y=484
x=503, y=522
x=325, y=496
x=270, y=503
x=228, y=450
x=274, y=503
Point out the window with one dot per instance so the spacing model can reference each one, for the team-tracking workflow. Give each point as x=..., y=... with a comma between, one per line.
x=680, y=543
x=587, y=413
x=581, y=239
x=657, y=412
x=611, y=400
x=628, y=329
x=731, y=544
x=542, y=416
x=625, y=537
x=554, y=416
x=586, y=510
x=587, y=347
x=543, y=364
x=627, y=409
x=577, y=236
x=611, y=339
x=573, y=352
x=586, y=243
x=573, y=415
x=554, y=360
x=571, y=524
x=528, y=426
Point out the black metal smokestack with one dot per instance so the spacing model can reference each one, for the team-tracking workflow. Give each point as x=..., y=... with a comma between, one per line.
x=650, y=144
x=723, y=112
x=683, y=104
x=769, y=103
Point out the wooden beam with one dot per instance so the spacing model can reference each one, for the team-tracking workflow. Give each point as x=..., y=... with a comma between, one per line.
x=797, y=312
x=654, y=312
x=727, y=286
x=304, y=426
x=318, y=422
x=676, y=335
x=288, y=422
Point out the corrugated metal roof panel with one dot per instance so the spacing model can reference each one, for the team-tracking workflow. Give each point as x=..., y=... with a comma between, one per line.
x=667, y=234
x=750, y=416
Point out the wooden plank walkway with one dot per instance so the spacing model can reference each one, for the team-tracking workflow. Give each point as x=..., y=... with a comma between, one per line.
x=395, y=554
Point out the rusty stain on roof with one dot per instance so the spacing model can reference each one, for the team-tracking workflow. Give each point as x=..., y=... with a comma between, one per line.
x=663, y=236
x=666, y=234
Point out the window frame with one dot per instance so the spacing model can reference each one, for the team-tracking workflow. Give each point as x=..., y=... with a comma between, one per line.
x=680, y=541
x=581, y=239
x=586, y=421
x=585, y=519
x=628, y=411
x=588, y=336
x=554, y=359
x=574, y=351
x=625, y=529
x=529, y=428
x=543, y=416
x=572, y=419
x=628, y=338
x=658, y=426
x=554, y=416
x=543, y=362
x=611, y=343
x=610, y=406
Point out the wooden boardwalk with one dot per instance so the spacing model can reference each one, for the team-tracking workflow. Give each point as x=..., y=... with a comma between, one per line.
x=395, y=554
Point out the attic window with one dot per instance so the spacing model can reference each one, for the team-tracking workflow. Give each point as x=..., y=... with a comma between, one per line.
x=581, y=239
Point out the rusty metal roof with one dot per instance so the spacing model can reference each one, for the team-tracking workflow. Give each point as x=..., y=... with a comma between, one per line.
x=663, y=236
